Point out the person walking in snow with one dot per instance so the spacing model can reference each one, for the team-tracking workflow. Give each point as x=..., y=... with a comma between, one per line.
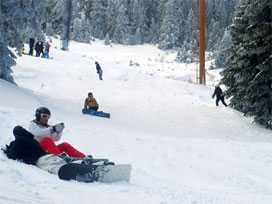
x=90, y=102
x=219, y=95
x=47, y=135
x=99, y=70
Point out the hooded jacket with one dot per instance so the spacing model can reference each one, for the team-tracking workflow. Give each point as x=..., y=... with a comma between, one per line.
x=90, y=102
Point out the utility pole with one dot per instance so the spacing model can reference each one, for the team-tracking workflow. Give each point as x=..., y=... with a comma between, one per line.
x=67, y=25
x=202, y=78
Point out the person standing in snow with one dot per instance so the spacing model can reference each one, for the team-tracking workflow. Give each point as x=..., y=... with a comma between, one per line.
x=219, y=95
x=41, y=48
x=37, y=49
x=31, y=45
x=47, y=135
x=90, y=102
x=46, y=50
x=99, y=70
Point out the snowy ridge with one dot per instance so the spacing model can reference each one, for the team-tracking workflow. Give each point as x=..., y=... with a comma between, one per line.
x=182, y=148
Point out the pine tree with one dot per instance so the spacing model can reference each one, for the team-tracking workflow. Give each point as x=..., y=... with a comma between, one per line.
x=55, y=11
x=98, y=16
x=122, y=33
x=139, y=22
x=222, y=54
x=249, y=75
x=170, y=30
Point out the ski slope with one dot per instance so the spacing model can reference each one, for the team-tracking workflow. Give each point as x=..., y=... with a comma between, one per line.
x=182, y=148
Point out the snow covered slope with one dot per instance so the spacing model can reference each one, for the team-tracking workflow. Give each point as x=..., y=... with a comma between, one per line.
x=183, y=149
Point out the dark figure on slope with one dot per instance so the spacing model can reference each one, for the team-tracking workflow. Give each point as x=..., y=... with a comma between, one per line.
x=99, y=70
x=41, y=48
x=28, y=150
x=219, y=95
x=31, y=45
x=37, y=49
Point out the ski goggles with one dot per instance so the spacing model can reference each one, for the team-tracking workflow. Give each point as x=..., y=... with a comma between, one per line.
x=45, y=116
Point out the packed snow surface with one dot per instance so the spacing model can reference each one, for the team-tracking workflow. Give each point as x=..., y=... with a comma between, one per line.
x=182, y=148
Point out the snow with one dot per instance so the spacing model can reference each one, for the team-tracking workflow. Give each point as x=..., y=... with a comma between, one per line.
x=182, y=148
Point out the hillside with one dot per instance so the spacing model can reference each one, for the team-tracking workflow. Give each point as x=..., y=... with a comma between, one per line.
x=183, y=149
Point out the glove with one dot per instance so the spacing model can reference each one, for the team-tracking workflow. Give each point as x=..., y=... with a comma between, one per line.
x=58, y=128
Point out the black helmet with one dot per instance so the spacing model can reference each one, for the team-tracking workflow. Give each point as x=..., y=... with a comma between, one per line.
x=41, y=110
x=90, y=93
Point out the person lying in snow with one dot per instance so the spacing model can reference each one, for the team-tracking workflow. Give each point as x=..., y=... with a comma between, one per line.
x=28, y=150
x=47, y=135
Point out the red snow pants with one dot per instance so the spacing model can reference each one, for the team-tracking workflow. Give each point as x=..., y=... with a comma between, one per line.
x=50, y=147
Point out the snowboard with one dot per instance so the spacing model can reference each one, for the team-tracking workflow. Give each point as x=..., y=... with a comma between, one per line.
x=95, y=113
x=84, y=160
x=95, y=173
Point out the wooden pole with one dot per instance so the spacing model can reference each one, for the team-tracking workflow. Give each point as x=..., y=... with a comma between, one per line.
x=202, y=78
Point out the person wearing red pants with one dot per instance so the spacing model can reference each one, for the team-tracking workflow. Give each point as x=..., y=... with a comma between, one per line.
x=47, y=135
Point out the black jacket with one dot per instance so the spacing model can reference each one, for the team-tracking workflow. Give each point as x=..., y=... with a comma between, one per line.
x=218, y=91
x=31, y=42
x=24, y=147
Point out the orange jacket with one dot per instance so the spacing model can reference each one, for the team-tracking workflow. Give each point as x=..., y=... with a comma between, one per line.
x=90, y=102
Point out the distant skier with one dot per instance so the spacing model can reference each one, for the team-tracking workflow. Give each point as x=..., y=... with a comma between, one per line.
x=37, y=49
x=219, y=95
x=46, y=50
x=41, y=48
x=47, y=135
x=31, y=45
x=90, y=102
x=99, y=70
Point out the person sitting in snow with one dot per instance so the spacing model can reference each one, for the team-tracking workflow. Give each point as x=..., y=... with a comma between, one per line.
x=90, y=102
x=219, y=95
x=99, y=70
x=47, y=135
x=28, y=150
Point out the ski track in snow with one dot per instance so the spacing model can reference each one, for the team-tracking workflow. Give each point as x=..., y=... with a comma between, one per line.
x=183, y=149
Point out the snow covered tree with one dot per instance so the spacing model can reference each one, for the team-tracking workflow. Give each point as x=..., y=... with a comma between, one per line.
x=248, y=76
x=122, y=33
x=139, y=22
x=107, y=40
x=55, y=12
x=111, y=17
x=153, y=33
x=170, y=30
x=222, y=54
x=17, y=19
x=186, y=53
x=98, y=16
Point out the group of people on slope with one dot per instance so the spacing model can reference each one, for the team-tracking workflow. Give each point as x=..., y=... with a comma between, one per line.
x=40, y=49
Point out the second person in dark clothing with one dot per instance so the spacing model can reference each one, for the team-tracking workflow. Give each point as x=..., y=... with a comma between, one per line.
x=99, y=70
x=31, y=45
x=219, y=95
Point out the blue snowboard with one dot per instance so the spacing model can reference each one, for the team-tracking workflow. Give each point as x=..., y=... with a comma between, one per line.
x=95, y=113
